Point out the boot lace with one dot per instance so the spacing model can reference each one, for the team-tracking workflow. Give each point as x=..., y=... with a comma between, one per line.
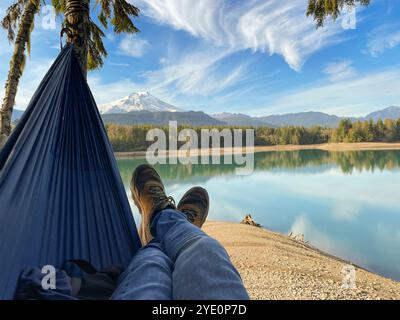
x=190, y=214
x=158, y=196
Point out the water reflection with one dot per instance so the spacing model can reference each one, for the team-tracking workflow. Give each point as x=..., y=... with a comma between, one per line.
x=316, y=160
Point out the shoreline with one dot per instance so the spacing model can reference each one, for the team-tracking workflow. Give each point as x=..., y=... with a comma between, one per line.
x=346, y=146
x=275, y=266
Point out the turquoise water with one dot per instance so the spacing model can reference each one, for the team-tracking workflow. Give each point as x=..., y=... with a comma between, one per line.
x=345, y=203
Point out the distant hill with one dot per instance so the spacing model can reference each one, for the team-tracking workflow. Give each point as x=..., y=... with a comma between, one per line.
x=239, y=119
x=387, y=113
x=194, y=118
x=306, y=119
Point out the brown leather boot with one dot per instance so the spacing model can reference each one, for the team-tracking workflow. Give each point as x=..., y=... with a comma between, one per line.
x=149, y=196
x=194, y=204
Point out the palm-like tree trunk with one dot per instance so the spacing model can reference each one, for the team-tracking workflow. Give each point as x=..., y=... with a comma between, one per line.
x=15, y=72
x=77, y=23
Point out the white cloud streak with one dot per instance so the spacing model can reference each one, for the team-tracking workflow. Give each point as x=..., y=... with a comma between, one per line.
x=274, y=26
x=133, y=46
x=195, y=73
x=106, y=92
x=383, y=38
x=340, y=70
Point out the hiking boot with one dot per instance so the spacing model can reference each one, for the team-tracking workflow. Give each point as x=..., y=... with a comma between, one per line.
x=194, y=204
x=149, y=196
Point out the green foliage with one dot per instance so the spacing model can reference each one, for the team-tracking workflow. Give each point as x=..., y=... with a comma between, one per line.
x=118, y=13
x=133, y=137
x=290, y=135
x=96, y=49
x=321, y=9
x=366, y=131
x=13, y=17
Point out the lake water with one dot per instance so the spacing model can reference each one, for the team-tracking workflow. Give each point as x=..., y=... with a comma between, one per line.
x=345, y=203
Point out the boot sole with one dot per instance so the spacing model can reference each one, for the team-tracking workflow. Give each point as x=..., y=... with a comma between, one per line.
x=145, y=218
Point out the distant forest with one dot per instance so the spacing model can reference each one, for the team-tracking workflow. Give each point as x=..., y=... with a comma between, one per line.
x=133, y=137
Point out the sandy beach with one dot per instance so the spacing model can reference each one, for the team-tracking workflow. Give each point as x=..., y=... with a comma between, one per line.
x=325, y=146
x=274, y=266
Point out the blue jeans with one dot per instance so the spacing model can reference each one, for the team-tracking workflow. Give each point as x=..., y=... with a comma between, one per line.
x=181, y=262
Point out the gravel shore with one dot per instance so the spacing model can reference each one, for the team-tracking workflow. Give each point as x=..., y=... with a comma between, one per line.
x=274, y=266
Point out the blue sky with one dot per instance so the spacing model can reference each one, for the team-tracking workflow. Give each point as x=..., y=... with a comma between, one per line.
x=258, y=57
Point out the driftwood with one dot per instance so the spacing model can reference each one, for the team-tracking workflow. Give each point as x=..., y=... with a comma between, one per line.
x=297, y=237
x=249, y=220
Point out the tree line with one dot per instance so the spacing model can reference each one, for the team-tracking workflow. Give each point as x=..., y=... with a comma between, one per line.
x=133, y=137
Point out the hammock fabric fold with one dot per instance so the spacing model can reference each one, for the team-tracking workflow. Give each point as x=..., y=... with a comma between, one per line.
x=61, y=195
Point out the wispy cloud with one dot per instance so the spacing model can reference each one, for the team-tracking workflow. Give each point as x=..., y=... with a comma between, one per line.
x=383, y=38
x=340, y=70
x=355, y=96
x=196, y=72
x=106, y=92
x=118, y=64
x=274, y=26
x=133, y=46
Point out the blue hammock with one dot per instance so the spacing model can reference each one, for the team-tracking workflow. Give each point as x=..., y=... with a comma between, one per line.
x=61, y=195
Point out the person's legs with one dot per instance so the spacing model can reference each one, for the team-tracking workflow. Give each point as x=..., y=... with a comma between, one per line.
x=203, y=269
x=148, y=277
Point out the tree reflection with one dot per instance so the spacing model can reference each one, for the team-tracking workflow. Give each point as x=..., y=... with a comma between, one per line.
x=314, y=161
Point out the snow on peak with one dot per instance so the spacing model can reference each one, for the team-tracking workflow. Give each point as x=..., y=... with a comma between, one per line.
x=142, y=93
x=139, y=101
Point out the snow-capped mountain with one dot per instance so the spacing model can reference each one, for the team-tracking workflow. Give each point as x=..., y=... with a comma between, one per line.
x=140, y=101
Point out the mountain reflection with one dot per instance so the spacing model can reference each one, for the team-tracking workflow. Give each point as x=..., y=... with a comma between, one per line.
x=310, y=161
